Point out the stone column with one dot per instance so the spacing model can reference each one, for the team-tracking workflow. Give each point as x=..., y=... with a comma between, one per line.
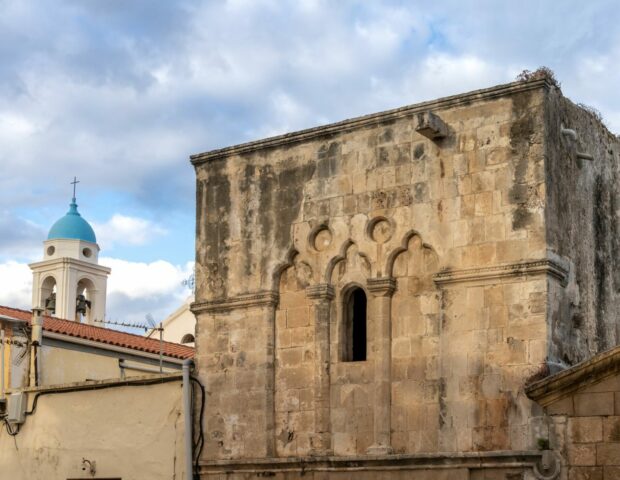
x=321, y=294
x=380, y=315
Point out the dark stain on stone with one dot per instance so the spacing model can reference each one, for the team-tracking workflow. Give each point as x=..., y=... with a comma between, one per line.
x=383, y=157
x=286, y=436
x=599, y=216
x=577, y=321
x=281, y=196
x=418, y=151
x=442, y=169
x=403, y=154
x=386, y=136
x=240, y=361
x=614, y=434
x=213, y=257
x=521, y=217
x=443, y=408
x=328, y=159
x=521, y=132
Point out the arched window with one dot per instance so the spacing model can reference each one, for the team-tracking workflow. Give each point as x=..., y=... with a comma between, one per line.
x=354, y=317
x=187, y=338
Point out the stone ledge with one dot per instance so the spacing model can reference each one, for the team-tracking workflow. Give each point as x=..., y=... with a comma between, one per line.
x=430, y=461
x=369, y=120
x=497, y=272
x=591, y=371
x=247, y=300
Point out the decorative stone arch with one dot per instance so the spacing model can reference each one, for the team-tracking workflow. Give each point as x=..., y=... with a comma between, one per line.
x=342, y=256
x=404, y=246
x=47, y=287
x=281, y=268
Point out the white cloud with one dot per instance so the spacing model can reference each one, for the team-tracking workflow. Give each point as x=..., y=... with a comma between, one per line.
x=126, y=230
x=143, y=280
x=15, y=285
x=134, y=288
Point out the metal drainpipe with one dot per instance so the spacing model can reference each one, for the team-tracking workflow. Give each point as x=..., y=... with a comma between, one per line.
x=187, y=417
x=2, y=374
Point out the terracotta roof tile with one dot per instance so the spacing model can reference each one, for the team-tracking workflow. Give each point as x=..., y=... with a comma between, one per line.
x=102, y=335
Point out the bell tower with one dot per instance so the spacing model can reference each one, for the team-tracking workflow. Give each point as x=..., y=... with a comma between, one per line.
x=69, y=283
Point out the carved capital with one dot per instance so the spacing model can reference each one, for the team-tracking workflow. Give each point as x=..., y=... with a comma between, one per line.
x=247, y=300
x=384, y=286
x=320, y=291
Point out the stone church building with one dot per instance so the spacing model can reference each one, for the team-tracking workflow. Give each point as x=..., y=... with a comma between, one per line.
x=374, y=296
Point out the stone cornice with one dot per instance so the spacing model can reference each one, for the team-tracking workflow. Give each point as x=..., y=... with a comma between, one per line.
x=320, y=291
x=247, y=300
x=369, y=120
x=53, y=263
x=496, y=272
x=378, y=463
x=381, y=286
x=591, y=371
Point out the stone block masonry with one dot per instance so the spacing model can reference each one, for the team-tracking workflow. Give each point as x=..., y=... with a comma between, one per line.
x=429, y=234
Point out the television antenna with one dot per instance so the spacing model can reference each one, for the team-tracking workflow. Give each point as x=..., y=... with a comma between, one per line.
x=150, y=325
x=190, y=282
x=160, y=329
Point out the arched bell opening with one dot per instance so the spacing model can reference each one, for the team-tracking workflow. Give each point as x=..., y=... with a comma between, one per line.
x=84, y=298
x=48, y=295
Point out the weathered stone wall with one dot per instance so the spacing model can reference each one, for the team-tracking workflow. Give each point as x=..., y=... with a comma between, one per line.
x=447, y=238
x=582, y=405
x=582, y=226
x=590, y=420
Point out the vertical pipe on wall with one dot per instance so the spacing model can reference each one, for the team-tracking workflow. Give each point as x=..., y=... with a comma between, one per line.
x=2, y=374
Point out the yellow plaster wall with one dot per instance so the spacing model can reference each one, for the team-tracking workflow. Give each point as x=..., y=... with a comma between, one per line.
x=131, y=432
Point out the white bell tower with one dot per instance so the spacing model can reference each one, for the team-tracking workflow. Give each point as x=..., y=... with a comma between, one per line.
x=69, y=283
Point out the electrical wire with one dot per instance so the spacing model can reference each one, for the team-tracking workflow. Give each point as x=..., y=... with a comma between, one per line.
x=9, y=429
x=199, y=444
x=127, y=383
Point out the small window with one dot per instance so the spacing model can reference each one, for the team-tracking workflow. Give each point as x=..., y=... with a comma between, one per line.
x=87, y=252
x=187, y=338
x=354, y=316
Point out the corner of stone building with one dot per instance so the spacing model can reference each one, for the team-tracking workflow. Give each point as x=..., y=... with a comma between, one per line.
x=582, y=201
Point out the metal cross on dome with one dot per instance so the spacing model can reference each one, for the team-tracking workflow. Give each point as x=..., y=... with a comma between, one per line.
x=74, y=183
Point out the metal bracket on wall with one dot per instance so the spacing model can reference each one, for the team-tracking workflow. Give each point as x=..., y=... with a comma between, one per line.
x=572, y=134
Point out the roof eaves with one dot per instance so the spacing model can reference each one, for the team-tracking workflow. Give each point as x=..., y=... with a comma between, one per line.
x=591, y=371
x=371, y=119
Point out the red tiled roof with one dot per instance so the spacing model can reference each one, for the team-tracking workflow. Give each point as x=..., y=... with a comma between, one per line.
x=102, y=335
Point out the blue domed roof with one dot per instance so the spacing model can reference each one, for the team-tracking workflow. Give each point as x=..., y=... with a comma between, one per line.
x=72, y=226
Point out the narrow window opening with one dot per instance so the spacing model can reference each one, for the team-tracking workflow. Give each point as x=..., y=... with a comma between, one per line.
x=355, y=326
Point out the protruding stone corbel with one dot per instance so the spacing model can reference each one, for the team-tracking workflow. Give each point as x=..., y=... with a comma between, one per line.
x=572, y=134
x=384, y=286
x=430, y=125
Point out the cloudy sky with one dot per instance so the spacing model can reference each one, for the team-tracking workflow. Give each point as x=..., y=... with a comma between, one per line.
x=120, y=93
